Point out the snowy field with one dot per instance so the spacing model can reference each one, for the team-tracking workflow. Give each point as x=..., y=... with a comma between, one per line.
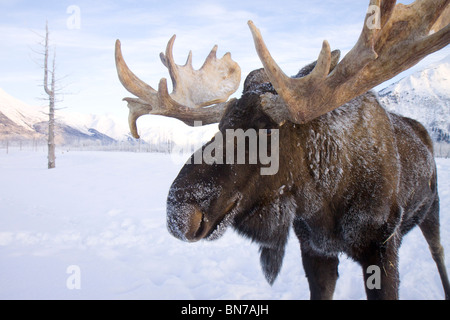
x=105, y=214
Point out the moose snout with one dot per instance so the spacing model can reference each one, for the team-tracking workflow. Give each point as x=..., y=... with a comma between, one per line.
x=186, y=222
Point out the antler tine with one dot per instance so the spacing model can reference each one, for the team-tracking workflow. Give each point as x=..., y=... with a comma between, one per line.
x=189, y=60
x=322, y=68
x=164, y=61
x=137, y=108
x=170, y=63
x=211, y=56
x=276, y=76
x=130, y=81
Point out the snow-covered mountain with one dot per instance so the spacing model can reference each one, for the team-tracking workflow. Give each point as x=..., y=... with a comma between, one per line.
x=424, y=96
x=20, y=121
x=17, y=119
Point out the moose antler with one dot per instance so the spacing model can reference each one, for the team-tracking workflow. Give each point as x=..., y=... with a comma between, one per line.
x=406, y=34
x=198, y=95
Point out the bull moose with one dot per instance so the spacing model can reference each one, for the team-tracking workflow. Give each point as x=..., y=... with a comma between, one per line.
x=352, y=178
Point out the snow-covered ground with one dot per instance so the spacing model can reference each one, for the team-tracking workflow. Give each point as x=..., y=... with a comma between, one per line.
x=105, y=214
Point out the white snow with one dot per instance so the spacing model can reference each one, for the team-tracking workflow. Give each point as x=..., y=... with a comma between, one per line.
x=105, y=213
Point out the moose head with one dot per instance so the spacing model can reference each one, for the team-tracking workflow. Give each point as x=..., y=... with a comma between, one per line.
x=316, y=152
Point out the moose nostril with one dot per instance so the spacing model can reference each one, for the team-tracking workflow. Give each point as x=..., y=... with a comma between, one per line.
x=184, y=221
x=195, y=225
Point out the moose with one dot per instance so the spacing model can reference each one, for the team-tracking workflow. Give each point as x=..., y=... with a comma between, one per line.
x=352, y=177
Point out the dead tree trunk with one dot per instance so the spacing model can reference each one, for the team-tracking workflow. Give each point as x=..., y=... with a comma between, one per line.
x=50, y=91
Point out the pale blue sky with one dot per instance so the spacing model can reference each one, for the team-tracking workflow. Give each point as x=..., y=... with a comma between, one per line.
x=294, y=31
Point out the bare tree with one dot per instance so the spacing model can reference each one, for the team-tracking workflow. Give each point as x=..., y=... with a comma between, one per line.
x=50, y=91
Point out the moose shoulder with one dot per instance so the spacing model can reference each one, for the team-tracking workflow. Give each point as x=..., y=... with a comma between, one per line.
x=351, y=176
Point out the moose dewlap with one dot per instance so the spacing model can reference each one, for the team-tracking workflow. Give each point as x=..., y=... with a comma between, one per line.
x=346, y=175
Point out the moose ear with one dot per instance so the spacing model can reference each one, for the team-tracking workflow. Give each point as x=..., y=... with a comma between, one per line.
x=335, y=56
